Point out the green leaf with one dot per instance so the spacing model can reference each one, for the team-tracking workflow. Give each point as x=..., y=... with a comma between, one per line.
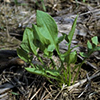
x=47, y=23
x=25, y=42
x=83, y=54
x=89, y=46
x=45, y=32
x=95, y=40
x=39, y=38
x=71, y=33
x=96, y=48
x=64, y=55
x=31, y=43
x=24, y=55
x=36, y=71
x=72, y=57
x=43, y=73
x=52, y=72
x=51, y=48
x=47, y=53
x=14, y=93
x=61, y=38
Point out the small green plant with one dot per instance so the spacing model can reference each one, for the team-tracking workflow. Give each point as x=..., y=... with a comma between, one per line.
x=91, y=47
x=44, y=36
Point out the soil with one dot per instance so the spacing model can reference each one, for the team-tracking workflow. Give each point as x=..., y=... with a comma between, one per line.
x=18, y=84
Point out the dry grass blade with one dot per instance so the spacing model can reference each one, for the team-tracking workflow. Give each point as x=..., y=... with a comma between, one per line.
x=35, y=93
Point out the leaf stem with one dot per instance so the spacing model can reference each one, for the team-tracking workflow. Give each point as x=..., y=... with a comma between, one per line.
x=70, y=76
x=59, y=54
x=40, y=59
x=78, y=70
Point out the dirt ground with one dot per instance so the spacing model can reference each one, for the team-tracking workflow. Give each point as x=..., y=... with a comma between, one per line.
x=18, y=84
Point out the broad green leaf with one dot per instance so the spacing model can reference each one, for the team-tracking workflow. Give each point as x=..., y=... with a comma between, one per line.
x=39, y=38
x=46, y=31
x=72, y=58
x=31, y=43
x=41, y=72
x=40, y=41
x=51, y=48
x=47, y=26
x=36, y=71
x=71, y=33
x=25, y=42
x=23, y=55
x=89, y=46
x=95, y=40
